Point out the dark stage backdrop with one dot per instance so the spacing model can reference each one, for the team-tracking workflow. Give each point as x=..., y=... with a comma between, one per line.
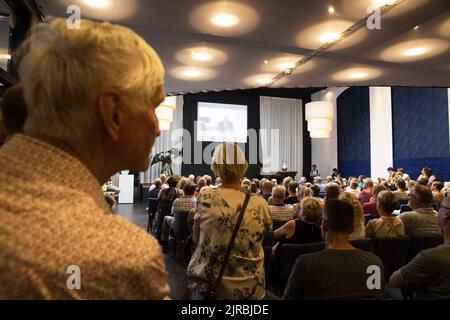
x=251, y=98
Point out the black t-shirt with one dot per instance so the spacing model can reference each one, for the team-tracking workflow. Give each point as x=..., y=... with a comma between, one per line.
x=335, y=274
x=291, y=200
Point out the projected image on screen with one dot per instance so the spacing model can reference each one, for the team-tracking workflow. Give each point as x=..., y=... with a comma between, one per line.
x=219, y=122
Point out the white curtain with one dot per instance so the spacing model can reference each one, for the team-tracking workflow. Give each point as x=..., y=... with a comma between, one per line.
x=281, y=134
x=166, y=141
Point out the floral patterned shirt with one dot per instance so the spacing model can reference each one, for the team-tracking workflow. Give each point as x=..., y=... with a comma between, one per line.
x=218, y=210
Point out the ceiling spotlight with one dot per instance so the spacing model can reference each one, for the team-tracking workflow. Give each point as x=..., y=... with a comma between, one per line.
x=225, y=20
x=329, y=37
x=385, y=2
x=415, y=51
x=358, y=75
x=99, y=4
x=416, y=27
x=285, y=65
x=201, y=56
x=192, y=73
x=264, y=81
x=331, y=10
x=266, y=61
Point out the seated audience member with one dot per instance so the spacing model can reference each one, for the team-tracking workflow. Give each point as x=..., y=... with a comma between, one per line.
x=218, y=210
x=292, y=193
x=438, y=195
x=335, y=174
x=13, y=111
x=200, y=184
x=423, y=181
x=286, y=182
x=302, y=193
x=267, y=189
x=359, y=231
x=303, y=181
x=246, y=183
x=422, y=220
x=165, y=201
x=401, y=192
x=361, y=182
x=328, y=180
x=371, y=206
x=316, y=190
x=154, y=192
x=387, y=225
x=305, y=229
x=428, y=274
x=367, y=193
x=183, y=204
x=340, y=271
x=279, y=210
x=91, y=114
x=192, y=178
x=392, y=175
x=427, y=174
x=254, y=188
x=402, y=175
x=353, y=188
x=218, y=182
x=208, y=180
x=333, y=192
x=163, y=185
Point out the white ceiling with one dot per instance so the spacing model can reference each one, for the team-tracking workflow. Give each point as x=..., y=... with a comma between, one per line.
x=282, y=28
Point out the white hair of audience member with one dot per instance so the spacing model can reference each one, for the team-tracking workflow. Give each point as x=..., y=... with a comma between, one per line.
x=274, y=182
x=228, y=162
x=317, y=179
x=65, y=69
x=329, y=179
x=303, y=180
x=192, y=178
x=246, y=183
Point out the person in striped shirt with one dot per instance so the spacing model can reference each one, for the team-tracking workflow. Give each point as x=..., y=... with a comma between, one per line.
x=278, y=209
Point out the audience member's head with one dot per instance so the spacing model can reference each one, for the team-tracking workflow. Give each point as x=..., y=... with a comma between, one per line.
x=192, y=178
x=420, y=197
x=423, y=181
x=274, y=182
x=316, y=190
x=391, y=170
x=189, y=189
x=437, y=186
x=303, y=192
x=427, y=172
x=338, y=218
x=201, y=183
x=354, y=202
x=229, y=162
x=218, y=181
x=286, y=182
x=329, y=179
x=208, y=179
x=387, y=202
x=246, y=183
x=278, y=194
x=401, y=184
x=354, y=184
x=332, y=191
x=157, y=182
x=378, y=188
x=361, y=178
x=254, y=187
x=103, y=107
x=267, y=187
x=182, y=182
x=172, y=181
x=163, y=178
x=400, y=171
x=312, y=210
x=292, y=188
x=368, y=184
x=13, y=110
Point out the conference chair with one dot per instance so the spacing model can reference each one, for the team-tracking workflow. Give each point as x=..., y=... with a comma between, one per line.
x=180, y=237
x=393, y=252
x=363, y=244
x=424, y=242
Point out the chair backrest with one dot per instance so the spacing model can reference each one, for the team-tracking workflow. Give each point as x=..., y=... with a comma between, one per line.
x=368, y=217
x=152, y=206
x=393, y=252
x=267, y=261
x=363, y=244
x=291, y=252
x=424, y=242
x=278, y=224
x=401, y=202
x=182, y=219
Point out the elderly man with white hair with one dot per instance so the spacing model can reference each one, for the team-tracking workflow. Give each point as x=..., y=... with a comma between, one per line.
x=91, y=95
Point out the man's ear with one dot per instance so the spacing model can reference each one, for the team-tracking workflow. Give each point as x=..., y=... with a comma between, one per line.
x=108, y=106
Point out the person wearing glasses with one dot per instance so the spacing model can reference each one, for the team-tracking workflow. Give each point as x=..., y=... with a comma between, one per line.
x=422, y=220
x=428, y=274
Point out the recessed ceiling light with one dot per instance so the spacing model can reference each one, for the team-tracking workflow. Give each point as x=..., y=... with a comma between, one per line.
x=415, y=51
x=201, y=56
x=264, y=81
x=266, y=61
x=357, y=75
x=385, y=2
x=192, y=73
x=331, y=10
x=99, y=4
x=285, y=65
x=416, y=27
x=225, y=20
x=329, y=37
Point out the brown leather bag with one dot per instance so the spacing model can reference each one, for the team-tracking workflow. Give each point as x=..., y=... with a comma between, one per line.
x=201, y=289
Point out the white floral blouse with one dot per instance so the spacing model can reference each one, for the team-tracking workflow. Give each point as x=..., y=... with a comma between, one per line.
x=218, y=209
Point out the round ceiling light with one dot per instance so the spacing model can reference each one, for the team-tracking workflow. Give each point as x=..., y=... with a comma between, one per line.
x=357, y=73
x=99, y=4
x=192, y=73
x=414, y=50
x=201, y=56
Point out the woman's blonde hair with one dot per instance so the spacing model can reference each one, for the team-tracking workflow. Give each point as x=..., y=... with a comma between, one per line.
x=65, y=69
x=228, y=162
x=312, y=209
x=354, y=202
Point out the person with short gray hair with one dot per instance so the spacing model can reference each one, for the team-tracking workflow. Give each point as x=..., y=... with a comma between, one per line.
x=91, y=114
x=278, y=209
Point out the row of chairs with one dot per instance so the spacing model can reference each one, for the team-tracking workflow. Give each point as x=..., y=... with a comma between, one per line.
x=394, y=252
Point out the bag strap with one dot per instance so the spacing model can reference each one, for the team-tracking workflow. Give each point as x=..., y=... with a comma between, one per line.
x=233, y=238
